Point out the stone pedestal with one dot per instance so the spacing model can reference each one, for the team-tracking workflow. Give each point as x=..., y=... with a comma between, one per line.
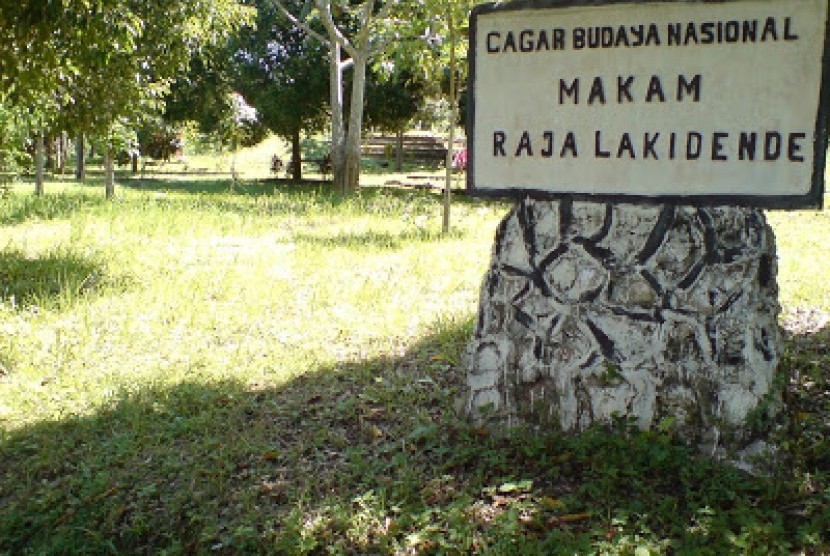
x=664, y=314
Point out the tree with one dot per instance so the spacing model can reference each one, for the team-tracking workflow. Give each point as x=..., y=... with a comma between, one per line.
x=441, y=25
x=202, y=94
x=282, y=73
x=208, y=96
x=100, y=67
x=31, y=69
x=30, y=64
x=394, y=98
x=13, y=134
x=362, y=31
x=160, y=43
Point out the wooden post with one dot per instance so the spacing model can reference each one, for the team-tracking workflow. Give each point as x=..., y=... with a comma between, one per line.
x=453, y=115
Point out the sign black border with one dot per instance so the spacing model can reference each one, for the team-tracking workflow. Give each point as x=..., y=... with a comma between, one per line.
x=812, y=200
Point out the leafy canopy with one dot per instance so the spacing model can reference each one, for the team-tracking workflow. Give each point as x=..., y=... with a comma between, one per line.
x=83, y=64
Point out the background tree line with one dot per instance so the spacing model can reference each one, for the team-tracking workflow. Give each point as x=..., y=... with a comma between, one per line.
x=119, y=73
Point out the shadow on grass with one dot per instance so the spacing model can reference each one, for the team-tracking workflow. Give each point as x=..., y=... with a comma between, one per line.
x=806, y=365
x=292, y=197
x=54, y=278
x=377, y=240
x=368, y=458
x=21, y=208
x=211, y=186
x=207, y=186
x=380, y=166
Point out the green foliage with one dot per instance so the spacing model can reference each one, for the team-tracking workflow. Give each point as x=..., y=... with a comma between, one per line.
x=13, y=134
x=96, y=66
x=427, y=48
x=282, y=73
x=203, y=94
x=158, y=140
x=393, y=101
x=207, y=96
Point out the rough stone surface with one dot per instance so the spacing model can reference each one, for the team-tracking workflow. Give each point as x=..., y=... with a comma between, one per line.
x=659, y=313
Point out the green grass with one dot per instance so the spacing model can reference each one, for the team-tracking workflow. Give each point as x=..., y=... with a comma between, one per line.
x=203, y=366
x=803, y=241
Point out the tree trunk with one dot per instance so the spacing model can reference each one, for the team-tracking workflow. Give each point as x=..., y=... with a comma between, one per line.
x=39, y=162
x=399, y=151
x=234, y=152
x=64, y=152
x=134, y=160
x=80, y=158
x=50, y=153
x=338, y=132
x=58, y=155
x=296, y=157
x=354, y=135
x=109, y=172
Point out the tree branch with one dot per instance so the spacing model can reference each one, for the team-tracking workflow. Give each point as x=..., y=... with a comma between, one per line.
x=365, y=20
x=342, y=64
x=384, y=12
x=324, y=6
x=381, y=46
x=301, y=24
x=385, y=9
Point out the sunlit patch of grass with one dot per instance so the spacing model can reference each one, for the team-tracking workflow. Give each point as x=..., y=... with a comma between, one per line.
x=257, y=287
x=803, y=257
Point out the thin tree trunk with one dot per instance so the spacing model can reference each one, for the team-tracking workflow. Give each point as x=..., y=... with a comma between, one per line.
x=296, y=157
x=80, y=158
x=64, y=151
x=50, y=153
x=338, y=131
x=453, y=116
x=109, y=171
x=354, y=136
x=399, y=151
x=234, y=175
x=58, y=155
x=39, y=163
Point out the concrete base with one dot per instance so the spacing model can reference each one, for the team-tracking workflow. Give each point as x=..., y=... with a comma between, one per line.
x=664, y=314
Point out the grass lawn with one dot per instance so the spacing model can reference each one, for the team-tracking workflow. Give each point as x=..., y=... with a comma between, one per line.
x=210, y=367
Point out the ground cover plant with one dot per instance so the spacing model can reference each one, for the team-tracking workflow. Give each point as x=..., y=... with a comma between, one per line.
x=208, y=366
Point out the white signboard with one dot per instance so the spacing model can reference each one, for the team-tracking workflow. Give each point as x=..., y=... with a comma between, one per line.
x=698, y=102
